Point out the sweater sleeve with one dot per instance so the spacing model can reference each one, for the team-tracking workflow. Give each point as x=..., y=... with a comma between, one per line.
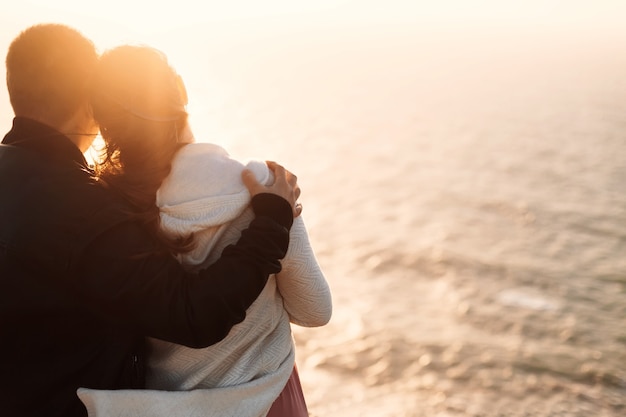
x=301, y=282
x=123, y=280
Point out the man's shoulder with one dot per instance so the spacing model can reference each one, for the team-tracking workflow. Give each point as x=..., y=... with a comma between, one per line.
x=48, y=214
x=16, y=158
x=49, y=194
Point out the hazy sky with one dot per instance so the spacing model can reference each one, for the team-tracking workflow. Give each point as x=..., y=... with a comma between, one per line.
x=120, y=21
x=144, y=16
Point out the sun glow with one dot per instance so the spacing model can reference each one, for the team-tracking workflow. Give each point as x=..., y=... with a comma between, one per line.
x=195, y=33
x=159, y=24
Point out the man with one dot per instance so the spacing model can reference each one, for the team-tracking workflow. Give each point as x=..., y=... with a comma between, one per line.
x=81, y=283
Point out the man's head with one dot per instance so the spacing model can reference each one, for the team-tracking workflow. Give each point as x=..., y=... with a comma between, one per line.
x=49, y=67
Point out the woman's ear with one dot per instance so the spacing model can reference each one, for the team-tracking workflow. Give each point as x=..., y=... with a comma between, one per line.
x=182, y=90
x=186, y=136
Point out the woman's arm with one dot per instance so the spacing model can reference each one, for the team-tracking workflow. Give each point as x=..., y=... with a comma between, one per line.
x=301, y=282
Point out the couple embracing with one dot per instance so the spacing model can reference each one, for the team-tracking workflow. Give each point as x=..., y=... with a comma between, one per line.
x=160, y=282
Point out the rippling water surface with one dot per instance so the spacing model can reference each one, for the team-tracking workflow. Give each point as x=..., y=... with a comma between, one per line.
x=466, y=198
x=465, y=195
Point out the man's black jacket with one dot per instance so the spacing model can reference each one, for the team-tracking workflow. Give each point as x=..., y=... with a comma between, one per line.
x=81, y=283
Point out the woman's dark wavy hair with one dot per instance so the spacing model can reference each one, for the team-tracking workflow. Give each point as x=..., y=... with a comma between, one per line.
x=139, y=103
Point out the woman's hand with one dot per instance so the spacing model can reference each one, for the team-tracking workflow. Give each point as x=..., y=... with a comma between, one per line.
x=285, y=185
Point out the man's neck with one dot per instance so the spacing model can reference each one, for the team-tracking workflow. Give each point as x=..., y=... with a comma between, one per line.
x=77, y=129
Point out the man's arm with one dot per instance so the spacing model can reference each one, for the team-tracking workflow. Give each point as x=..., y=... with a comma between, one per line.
x=153, y=294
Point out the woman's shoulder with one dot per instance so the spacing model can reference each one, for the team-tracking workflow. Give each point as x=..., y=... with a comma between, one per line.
x=202, y=150
x=202, y=160
x=208, y=159
x=205, y=169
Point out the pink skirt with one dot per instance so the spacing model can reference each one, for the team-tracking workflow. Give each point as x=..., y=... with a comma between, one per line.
x=290, y=402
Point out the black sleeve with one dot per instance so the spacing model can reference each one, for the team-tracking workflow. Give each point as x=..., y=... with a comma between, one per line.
x=155, y=297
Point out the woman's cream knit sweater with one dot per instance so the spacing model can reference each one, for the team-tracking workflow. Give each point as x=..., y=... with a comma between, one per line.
x=243, y=374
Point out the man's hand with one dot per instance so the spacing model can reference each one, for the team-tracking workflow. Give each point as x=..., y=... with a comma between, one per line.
x=285, y=185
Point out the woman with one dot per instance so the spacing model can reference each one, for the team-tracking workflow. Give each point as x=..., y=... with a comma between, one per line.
x=191, y=197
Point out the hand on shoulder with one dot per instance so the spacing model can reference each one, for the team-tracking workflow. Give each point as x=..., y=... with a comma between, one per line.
x=285, y=185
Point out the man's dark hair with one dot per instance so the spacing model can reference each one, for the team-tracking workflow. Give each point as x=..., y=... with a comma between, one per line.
x=49, y=67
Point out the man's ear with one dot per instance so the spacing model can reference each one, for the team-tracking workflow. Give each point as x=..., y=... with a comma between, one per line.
x=182, y=90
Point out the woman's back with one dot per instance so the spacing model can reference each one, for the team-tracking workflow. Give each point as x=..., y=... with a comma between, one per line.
x=246, y=372
x=204, y=195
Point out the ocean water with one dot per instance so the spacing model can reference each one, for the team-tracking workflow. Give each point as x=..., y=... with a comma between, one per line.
x=465, y=194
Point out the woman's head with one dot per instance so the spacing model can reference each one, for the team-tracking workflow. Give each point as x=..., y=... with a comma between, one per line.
x=139, y=103
x=139, y=81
